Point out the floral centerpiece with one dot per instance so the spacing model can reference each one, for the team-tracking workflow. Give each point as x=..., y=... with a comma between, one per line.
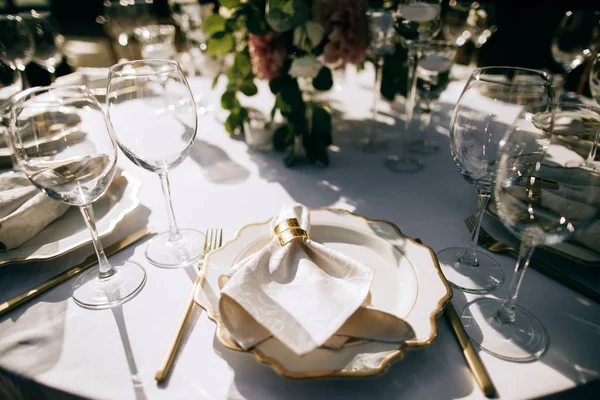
x=292, y=44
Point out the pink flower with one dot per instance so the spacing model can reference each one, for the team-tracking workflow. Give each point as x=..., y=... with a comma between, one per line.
x=349, y=38
x=267, y=54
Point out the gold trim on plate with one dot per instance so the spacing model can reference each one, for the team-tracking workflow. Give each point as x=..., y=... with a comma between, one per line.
x=385, y=363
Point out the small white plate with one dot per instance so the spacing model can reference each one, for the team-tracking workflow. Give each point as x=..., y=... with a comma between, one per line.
x=407, y=278
x=69, y=231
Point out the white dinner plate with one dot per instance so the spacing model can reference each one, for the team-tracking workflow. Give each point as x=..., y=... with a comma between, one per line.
x=69, y=231
x=407, y=278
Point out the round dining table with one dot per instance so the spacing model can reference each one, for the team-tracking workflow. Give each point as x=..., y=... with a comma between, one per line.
x=52, y=348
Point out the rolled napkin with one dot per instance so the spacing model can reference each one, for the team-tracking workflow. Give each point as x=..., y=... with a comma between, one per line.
x=24, y=210
x=302, y=293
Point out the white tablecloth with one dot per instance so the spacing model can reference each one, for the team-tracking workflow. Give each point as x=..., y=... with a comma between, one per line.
x=113, y=354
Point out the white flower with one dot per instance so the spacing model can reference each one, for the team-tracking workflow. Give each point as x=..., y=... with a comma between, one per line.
x=306, y=67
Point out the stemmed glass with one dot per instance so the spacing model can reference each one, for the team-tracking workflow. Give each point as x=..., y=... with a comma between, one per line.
x=75, y=172
x=418, y=23
x=543, y=202
x=456, y=26
x=48, y=41
x=17, y=40
x=382, y=33
x=492, y=99
x=153, y=113
x=10, y=84
x=595, y=78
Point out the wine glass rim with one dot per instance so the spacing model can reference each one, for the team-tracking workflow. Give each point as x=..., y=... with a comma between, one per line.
x=118, y=69
x=19, y=97
x=478, y=74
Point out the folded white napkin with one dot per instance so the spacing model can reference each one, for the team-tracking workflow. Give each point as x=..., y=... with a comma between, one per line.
x=303, y=294
x=24, y=210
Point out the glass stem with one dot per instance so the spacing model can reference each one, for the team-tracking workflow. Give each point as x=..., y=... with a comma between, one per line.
x=589, y=163
x=506, y=313
x=105, y=269
x=174, y=234
x=376, y=95
x=470, y=255
x=24, y=81
x=413, y=63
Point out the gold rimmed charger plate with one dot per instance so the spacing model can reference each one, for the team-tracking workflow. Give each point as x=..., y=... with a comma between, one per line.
x=69, y=232
x=407, y=278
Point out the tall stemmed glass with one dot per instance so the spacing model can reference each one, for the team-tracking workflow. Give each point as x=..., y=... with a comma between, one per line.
x=419, y=22
x=10, y=85
x=75, y=172
x=152, y=110
x=17, y=40
x=544, y=202
x=48, y=41
x=491, y=100
x=382, y=33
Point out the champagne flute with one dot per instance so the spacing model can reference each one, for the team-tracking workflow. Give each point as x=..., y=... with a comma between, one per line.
x=48, y=42
x=75, y=172
x=543, y=201
x=153, y=113
x=418, y=23
x=17, y=40
x=382, y=34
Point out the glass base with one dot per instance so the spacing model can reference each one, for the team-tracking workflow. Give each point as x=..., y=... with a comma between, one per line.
x=423, y=146
x=403, y=164
x=525, y=340
x=93, y=292
x=164, y=253
x=484, y=278
x=370, y=145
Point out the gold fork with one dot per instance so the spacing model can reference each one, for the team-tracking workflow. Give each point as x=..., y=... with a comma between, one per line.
x=495, y=246
x=212, y=240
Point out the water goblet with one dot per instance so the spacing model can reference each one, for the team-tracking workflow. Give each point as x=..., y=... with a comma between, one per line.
x=75, y=172
x=48, y=41
x=17, y=41
x=542, y=201
x=382, y=33
x=419, y=22
x=153, y=113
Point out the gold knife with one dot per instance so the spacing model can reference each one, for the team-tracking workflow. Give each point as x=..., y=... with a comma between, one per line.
x=56, y=280
x=473, y=361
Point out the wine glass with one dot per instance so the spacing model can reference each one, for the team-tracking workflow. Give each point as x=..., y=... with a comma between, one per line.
x=433, y=77
x=17, y=40
x=10, y=84
x=75, y=172
x=491, y=100
x=576, y=124
x=48, y=41
x=456, y=25
x=382, y=33
x=418, y=23
x=153, y=113
x=543, y=202
x=595, y=78
x=572, y=38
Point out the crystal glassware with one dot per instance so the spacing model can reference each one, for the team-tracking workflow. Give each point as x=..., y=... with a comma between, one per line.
x=382, y=34
x=10, y=85
x=577, y=123
x=48, y=42
x=419, y=22
x=17, y=41
x=542, y=201
x=492, y=99
x=153, y=113
x=156, y=41
x=455, y=18
x=595, y=78
x=73, y=171
x=433, y=77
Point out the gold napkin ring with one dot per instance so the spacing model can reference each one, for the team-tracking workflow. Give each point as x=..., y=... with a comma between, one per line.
x=287, y=236
x=285, y=225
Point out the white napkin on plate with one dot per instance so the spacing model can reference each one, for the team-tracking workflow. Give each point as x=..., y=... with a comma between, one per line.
x=304, y=294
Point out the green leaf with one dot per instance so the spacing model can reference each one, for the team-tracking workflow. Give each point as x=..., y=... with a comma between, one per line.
x=216, y=80
x=213, y=24
x=255, y=22
x=283, y=137
x=323, y=80
x=284, y=15
x=321, y=125
x=229, y=101
x=248, y=88
x=242, y=63
x=219, y=44
x=230, y=3
x=276, y=83
x=233, y=122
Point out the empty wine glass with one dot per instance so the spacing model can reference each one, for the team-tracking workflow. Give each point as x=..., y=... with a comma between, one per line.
x=456, y=25
x=595, y=78
x=152, y=110
x=10, y=84
x=576, y=123
x=75, y=172
x=543, y=202
x=48, y=41
x=433, y=77
x=418, y=23
x=17, y=40
x=572, y=38
x=382, y=33
x=156, y=41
